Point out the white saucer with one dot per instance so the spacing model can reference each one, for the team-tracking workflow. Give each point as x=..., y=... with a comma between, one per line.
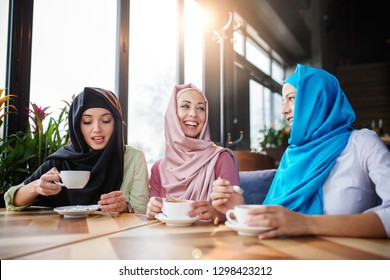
x=175, y=222
x=246, y=230
x=76, y=211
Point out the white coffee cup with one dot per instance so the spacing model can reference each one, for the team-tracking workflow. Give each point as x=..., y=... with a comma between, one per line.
x=74, y=179
x=241, y=214
x=177, y=209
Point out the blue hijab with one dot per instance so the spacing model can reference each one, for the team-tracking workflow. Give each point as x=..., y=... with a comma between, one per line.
x=319, y=133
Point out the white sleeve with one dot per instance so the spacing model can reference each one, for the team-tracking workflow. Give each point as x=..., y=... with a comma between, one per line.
x=377, y=157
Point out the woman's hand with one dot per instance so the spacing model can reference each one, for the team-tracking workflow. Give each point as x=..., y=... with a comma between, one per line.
x=113, y=202
x=282, y=220
x=43, y=186
x=205, y=211
x=223, y=196
x=154, y=207
x=46, y=186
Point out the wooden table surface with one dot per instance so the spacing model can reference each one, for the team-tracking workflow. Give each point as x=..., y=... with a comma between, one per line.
x=43, y=234
x=39, y=229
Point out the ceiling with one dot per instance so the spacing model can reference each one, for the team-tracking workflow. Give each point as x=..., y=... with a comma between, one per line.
x=347, y=31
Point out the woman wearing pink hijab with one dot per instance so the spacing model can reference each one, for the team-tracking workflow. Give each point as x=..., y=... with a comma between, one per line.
x=192, y=161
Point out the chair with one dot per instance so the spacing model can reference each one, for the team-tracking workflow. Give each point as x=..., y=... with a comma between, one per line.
x=248, y=161
x=256, y=184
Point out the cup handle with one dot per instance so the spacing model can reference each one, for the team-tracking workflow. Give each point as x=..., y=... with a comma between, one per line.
x=229, y=218
x=59, y=183
x=162, y=212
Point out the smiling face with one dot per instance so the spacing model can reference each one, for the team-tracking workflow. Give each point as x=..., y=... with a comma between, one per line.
x=288, y=97
x=191, y=111
x=97, y=126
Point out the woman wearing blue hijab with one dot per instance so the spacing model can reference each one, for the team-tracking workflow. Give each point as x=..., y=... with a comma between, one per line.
x=323, y=121
x=332, y=179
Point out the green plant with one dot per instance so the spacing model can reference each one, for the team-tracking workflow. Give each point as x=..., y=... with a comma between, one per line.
x=17, y=151
x=276, y=136
x=23, y=152
x=3, y=101
x=48, y=138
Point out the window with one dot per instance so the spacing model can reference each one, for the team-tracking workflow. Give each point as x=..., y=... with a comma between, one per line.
x=193, y=52
x=261, y=111
x=277, y=106
x=152, y=73
x=264, y=103
x=265, y=111
x=68, y=52
x=257, y=112
x=277, y=72
x=258, y=57
x=238, y=43
x=153, y=67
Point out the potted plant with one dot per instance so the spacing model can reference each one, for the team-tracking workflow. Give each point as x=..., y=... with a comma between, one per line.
x=274, y=140
x=23, y=152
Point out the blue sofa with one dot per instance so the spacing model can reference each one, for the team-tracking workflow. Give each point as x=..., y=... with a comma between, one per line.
x=256, y=184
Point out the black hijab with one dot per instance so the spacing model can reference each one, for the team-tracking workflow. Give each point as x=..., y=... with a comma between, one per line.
x=106, y=166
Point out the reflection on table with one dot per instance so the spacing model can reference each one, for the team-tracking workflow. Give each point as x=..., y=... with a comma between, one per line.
x=46, y=235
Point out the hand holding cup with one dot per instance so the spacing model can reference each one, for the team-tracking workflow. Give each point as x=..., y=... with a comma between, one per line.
x=241, y=214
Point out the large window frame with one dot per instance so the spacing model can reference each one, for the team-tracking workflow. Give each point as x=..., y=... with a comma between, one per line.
x=269, y=74
x=19, y=58
x=19, y=62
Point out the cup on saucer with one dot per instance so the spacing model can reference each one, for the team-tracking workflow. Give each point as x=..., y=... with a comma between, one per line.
x=239, y=222
x=177, y=209
x=241, y=214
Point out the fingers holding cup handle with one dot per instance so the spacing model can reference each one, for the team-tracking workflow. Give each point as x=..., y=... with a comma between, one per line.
x=229, y=217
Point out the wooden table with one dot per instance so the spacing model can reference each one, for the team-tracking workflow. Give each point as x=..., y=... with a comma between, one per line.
x=42, y=229
x=43, y=234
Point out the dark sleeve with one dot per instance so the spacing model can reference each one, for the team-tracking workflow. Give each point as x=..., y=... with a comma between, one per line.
x=46, y=166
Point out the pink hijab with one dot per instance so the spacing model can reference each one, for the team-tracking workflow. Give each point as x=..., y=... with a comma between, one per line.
x=187, y=170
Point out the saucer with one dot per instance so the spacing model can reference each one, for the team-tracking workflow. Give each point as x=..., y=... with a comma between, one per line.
x=246, y=230
x=175, y=222
x=76, y=211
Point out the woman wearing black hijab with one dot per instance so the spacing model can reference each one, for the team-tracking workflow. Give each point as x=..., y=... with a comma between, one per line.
x=119, y=176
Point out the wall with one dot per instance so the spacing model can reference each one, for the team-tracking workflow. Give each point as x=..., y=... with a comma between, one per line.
x=367, y=87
